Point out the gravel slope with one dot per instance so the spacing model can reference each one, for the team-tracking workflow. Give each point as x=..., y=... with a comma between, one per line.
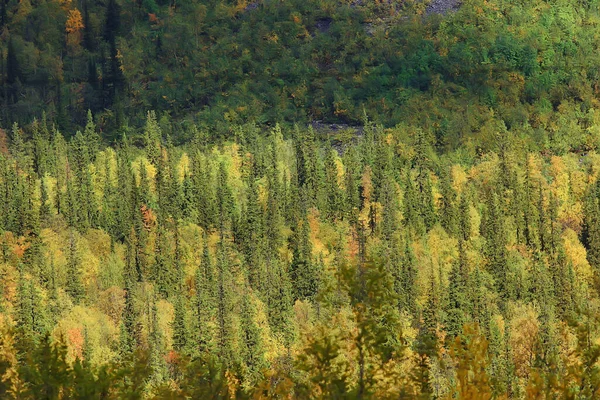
x=442, y=6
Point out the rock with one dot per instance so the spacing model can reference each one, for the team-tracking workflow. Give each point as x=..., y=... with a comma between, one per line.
x=442, y=6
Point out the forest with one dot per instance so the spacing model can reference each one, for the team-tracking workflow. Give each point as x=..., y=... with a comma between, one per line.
x=274, y=267
x=330, y=199
x=217, y=64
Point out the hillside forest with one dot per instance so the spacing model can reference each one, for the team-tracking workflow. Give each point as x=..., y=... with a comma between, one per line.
x=265, y=267
x=331, y=199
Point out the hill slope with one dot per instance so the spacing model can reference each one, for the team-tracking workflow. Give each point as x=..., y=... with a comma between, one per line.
x=531, y=66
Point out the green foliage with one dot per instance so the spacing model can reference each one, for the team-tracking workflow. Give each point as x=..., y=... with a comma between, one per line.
x=268, y=266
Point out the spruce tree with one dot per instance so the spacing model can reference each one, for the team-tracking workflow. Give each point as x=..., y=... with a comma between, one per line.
x=448, y=211
x=156, y=338
x=152, y=138
x=252, y=351
x=180, y=330
x=334, y=198
x=303, y=273
x=164, y=274
x=223, y=304
x=591, y=228
x=458, y=307
x=74, y=286
x=204, y=302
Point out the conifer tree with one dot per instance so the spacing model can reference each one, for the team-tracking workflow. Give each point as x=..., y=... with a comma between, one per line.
x=44, y=203
x=164, y=275
x=152, y=138
x=47, y=373
x=494, y=232
x=74, y=286
x=407, y=281
x=223, y=304
x=423, y=181
x=333, y=192
x=157, y=350
x=531, y=211
x=251, y=344
x=389, y=201
x=91, y=136
x=180, y=330
x=352, y=179
x=40, y=149
x=17, y=148
x=448, y=208
x=464, y=218
x=204, y=301
x=280, y=301
x=303, y=272
x=411, y=211
x=458, y=307
x=224, y=199
x=591, y=228
x=30, y=315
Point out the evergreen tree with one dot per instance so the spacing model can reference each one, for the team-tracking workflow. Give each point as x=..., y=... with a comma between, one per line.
x=591, y=228
x=251, y=344
x=493, y=230
x=303, y=272
x=423, y=181
x=152, y=138
x=128, y=338
x=74, y=285
x=332, y=187
x=352, y=179
x=223, y=304
x=225, y=199
x=464, y=217
x=204, y=301
x=180, y=330
x=458, y=307
x=157, y=350
x=30, y=315
x=448, y=211
x=165, y=275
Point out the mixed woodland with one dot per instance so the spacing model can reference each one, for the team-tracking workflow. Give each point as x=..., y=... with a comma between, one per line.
x=439, y=238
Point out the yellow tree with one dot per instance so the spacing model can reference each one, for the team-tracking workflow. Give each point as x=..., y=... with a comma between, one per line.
x=73, y=28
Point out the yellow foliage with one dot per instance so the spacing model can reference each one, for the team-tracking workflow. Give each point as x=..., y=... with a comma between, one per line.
x=164, y=316
x=192, y=246
x=53, y=244
x=112, y=302
x=150, y=171
x=183, y=167
x=65, y=4
x=577, y=255
x=578, y=184
x=8, y=354
x=99, y=328
x=560, y=183
x=524, y=327
x=470, y=354
x=459, y=177
x=442, y=251
x=74, y=22
x=89, y=248
x=272, y=347
x=340, y=172
x=486, y=171
x=314, y=224
x=9, y=277
x=367, y=184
